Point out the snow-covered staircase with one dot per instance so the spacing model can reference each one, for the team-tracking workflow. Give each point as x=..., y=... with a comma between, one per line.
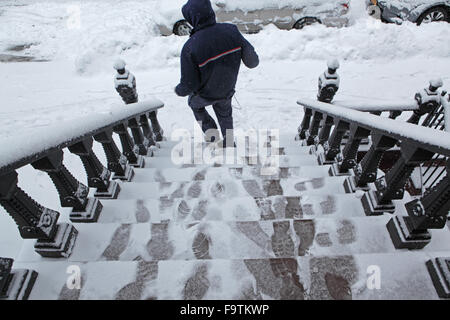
x=229, y=232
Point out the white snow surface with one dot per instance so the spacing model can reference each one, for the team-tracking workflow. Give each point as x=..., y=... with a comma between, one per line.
x=379, y=62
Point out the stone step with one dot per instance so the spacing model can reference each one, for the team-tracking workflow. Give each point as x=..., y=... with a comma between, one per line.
x=233, y=240
x=231, y=209
x=231, y=188
x=167, y=150
x=218, y=173
x=232, y=161
x=403, y=275
x=282, y=141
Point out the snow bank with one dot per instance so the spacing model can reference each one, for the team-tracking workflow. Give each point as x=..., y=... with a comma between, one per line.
x=109, y=29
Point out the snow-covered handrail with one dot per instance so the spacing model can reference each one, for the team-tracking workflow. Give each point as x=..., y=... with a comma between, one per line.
x=380, y=106
x=43, y=149
x=26, y=148
x=432, y=140
x=327, y=124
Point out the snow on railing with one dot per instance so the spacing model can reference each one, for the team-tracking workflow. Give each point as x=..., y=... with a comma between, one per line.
x=325, y=124
x=43, y=149
x=378, y=106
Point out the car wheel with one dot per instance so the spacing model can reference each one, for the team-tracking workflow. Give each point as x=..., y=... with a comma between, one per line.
x=434, y=15
x=182, y=28
x=306, y=21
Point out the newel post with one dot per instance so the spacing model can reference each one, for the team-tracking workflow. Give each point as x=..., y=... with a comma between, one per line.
x=35, y=221
x=98, y=176
x=392, y=185
x=72, y=193
x=117, y=162
x=366, y=170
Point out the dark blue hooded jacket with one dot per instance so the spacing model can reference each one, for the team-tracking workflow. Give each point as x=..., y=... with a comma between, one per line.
x=211, y=58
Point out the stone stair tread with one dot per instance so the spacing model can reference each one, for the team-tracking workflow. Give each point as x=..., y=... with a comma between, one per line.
x=175, y=149
x=403, y=276
x=285, y=238
x=231, y=209
x=283, y=140
x=215, y=173
x=224, y=161
x=229, y=188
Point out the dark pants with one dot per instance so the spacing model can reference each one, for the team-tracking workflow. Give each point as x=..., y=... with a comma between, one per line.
x=223, y=111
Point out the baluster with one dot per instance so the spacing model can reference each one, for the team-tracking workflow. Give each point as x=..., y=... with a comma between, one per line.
x=117, y=162
x=350, y=152
x=138, y=137
x=333, y=146
x=72, y=193
x=324, y=133
x=312, y=133
x=98, y=176
x=304, y=126
x=366, y=170
x=395, y=114
x=148, y=134
x=439, y=269
x=15, y=284
x=428, y=212
x=35, y=221
x=155, y=126
x=127, y=146
x=392, y=185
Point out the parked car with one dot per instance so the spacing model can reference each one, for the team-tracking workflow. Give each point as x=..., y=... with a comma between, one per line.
x=250, y=16
x=416, y=11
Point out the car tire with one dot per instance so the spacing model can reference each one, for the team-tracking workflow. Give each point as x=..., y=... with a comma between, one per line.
x=182, y=28
x=433, y=15
x=306, y=21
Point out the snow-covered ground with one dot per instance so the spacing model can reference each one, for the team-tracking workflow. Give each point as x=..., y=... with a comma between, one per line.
x=378, y=61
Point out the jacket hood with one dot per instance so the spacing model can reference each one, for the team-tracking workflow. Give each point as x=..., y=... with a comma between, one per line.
x=199, y=13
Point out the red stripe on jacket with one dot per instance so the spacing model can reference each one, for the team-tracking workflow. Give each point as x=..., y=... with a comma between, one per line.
x=219, y=56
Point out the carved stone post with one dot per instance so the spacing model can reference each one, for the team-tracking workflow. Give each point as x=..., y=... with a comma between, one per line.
x=117, y=162
x=324, y=133
x=35, y=221
x=128, y=146
x=428, y=212
x=156, y=127
x=333, y=146
x=312, y=133
x=350, y=151
x=366, y=170
x=138, y=137
x=439, y=269
x=15, y=284
x=98, y=176
x=304, y=126
x=72, y=193
x=392, y=185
